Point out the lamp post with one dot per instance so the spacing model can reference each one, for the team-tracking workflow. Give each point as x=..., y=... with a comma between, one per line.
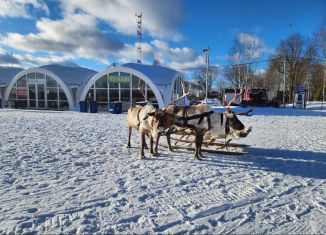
x=324, y=85
x=207, y=65
x=284, y=69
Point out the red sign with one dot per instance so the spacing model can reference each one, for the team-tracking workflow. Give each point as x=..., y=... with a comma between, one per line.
x=22, y=93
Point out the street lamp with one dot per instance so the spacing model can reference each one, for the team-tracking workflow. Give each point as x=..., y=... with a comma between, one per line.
x=324, y=85
x=207, y=64
x=284, y=85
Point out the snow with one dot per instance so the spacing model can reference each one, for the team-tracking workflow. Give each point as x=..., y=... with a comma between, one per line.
x=69, y=172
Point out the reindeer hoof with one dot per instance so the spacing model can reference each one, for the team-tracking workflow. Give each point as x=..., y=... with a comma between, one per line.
x=155, y=154
x=171, y=149
x=128, y=146
x=142, y=157
x=198, y=158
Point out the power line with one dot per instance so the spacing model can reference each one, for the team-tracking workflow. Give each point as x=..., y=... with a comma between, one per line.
x=248, y=63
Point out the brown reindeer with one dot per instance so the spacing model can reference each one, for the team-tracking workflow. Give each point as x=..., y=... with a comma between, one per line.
x=206, y=123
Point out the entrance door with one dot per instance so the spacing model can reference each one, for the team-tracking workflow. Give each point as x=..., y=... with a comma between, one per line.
x=32, y=95
x=40, y=101
x=37, y=96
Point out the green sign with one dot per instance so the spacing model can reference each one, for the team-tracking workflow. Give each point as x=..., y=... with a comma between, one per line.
x=119, y=79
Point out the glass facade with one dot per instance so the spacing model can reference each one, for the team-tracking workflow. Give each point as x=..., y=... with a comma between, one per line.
x=119, y=87
x=38, y=91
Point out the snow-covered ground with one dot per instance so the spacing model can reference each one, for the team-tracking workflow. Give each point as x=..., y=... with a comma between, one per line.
x=70, y=172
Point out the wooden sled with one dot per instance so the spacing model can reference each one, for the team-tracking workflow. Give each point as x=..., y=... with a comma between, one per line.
x=186, y=141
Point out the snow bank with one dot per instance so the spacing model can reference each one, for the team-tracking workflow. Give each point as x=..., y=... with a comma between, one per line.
x=67, y=172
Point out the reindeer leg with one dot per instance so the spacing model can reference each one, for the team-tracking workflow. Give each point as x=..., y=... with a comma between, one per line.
x=145, y=144
x=151, y=144
x=168, y=138
x=199, y=142
x=156, y=144
x=142, y=145
x=129, y=145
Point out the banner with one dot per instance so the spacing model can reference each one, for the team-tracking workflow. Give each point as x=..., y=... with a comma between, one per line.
x=119, y=79
x=22, y=93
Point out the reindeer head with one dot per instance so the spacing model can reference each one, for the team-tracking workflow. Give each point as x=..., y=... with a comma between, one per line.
x=234, y=126
x=158, y=120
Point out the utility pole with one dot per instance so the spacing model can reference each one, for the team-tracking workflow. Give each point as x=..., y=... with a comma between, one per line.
x=139, y=36
x=12, y=59
x=207, y=65
x=284, y=71
x=324, y=85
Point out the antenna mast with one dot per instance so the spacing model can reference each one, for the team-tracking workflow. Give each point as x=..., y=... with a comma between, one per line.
x=139, y=36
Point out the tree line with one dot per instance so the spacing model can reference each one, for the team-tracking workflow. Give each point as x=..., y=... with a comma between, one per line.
x=303, y=58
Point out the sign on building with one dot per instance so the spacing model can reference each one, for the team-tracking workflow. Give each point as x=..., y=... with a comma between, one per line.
x=119, y=79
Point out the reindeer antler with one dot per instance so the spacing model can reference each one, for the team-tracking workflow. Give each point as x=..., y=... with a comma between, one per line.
x=249, y=113
x=236, y=96
x=184, y=95
x=141, y=89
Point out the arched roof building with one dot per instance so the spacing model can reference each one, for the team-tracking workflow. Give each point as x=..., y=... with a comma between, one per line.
x=122, y=83
x=52, y=86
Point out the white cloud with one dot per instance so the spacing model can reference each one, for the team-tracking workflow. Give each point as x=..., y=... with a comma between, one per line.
x=76, y=35
x=163, y=52
x=177, y=58
x=199, y=62
x=254, y=46
x=161, y=18
x=260, y=72
x=19, y=8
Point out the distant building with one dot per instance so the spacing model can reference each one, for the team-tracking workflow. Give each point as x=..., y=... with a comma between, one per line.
x=160, y=85
x=54, y=87
x=62, y=87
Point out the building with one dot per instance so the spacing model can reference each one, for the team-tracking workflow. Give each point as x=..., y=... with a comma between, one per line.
x=62, y=87
x=54, y=87
x=129, y=83
x=6, y=75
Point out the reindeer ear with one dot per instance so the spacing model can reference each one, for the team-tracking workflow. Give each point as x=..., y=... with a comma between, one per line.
x=229, y=114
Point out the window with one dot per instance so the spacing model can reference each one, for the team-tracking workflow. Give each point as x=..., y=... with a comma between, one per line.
x=102, y=95
x=114, y=95
x=52, y=94
x=50, y=82
x=22, y=82
x=62, y=95
x=102, y=82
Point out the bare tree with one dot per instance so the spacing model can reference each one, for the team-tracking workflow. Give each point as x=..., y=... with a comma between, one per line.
x=274, y=77
x=298, y=53
x=318, y=73
x=246, y=48
x=320, y=39
x=200, y=78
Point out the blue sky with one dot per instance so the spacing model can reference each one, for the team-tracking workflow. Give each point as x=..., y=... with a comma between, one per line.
x=97, y=33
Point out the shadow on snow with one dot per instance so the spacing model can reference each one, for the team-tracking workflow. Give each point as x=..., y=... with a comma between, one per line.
x=289, y=162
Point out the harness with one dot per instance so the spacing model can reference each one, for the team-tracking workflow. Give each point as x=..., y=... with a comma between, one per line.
x=185, y=118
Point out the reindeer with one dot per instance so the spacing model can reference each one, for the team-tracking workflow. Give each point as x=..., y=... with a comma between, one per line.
x=148, y=121
x=204, y=122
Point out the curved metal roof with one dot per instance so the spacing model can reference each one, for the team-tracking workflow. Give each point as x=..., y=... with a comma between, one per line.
x=8, y=73
x=158, y=74
x=71, y=75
